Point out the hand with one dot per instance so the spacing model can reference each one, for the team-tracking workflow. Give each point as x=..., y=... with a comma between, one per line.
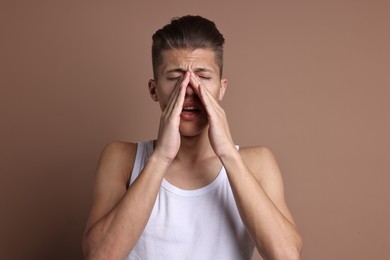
x=168, y=141
x=219, y=133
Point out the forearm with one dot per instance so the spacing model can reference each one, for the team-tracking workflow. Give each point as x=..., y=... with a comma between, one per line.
x=275, y=236
x=115, y=235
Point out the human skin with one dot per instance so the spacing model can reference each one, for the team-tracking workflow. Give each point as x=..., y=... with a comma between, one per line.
x=193, y=69
x=186, y=140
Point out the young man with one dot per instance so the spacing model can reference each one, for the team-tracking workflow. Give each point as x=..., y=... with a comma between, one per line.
x=192, y=193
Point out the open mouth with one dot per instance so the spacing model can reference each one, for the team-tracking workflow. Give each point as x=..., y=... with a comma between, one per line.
x=190, y=110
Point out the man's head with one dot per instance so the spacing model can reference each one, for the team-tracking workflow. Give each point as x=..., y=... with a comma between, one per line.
x=187, y=32
x=188, y=51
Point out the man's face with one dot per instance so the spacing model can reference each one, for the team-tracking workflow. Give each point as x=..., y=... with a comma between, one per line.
x=175, y=63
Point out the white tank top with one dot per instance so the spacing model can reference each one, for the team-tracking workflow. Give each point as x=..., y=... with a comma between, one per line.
x=196, y=224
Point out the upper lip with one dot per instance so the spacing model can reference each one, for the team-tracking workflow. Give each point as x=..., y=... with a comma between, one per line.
x=191, y=105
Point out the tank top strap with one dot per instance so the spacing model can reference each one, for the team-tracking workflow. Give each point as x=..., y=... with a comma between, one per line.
x=144, y=150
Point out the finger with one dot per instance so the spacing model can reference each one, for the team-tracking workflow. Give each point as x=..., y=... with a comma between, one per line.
x=195, y=82
x=213, y=108
x=197, y=85
x=178, y=105
x=201, y=90
x=176, y=93
x=206, y=98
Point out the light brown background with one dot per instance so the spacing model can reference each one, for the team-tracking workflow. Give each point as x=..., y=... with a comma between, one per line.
x=309, y=79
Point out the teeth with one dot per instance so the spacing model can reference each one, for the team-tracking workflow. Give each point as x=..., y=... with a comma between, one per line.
x=190, y=108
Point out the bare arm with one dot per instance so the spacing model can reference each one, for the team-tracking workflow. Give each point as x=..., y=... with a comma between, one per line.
x=259, y=195
x=112, y=228
x=119, y=216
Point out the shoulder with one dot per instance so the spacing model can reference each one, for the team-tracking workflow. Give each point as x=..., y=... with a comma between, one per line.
x=119, y=148
x=257, y=156
x=117, y=157
x=263, y=164
x=119, y=151
x=111, y=179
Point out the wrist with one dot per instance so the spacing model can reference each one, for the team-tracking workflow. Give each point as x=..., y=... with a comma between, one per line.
x=232, y=162
x=230, y=154
x=162, y=160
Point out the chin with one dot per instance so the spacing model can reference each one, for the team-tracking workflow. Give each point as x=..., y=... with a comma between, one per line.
x=191, y=130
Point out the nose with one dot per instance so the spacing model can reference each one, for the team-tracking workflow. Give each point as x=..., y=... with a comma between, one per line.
x=189, y=91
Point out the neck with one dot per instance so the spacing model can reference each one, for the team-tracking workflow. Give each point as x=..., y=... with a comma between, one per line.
x=195, y=148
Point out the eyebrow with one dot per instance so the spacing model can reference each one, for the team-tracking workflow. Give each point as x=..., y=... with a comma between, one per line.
x=175, y=70
x=181, y=70
x=203, y=70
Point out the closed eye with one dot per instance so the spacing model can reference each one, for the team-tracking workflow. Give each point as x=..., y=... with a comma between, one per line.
x=173, y=78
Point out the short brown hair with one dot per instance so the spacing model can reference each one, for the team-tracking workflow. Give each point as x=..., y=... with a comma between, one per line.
x=187, y=32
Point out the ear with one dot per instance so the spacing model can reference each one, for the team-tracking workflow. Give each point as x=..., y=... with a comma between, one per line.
x=222, y=89
x=152, y=89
